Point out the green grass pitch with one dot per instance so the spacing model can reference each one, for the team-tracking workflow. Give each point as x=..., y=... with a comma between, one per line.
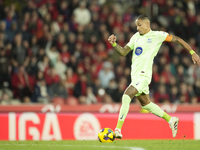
x=96, y=145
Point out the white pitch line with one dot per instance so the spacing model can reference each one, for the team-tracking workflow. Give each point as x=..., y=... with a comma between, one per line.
x=131, y=148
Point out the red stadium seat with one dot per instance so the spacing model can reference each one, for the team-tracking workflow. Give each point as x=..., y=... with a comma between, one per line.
x=72, y=101
x=58, y=100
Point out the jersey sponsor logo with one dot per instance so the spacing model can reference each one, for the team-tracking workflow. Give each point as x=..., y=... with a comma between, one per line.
x=137, y=83
x=149, y=41
x=138, y=51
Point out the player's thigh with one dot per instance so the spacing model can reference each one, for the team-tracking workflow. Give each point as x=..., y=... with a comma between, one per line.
x=144, y=99
x=131, y=91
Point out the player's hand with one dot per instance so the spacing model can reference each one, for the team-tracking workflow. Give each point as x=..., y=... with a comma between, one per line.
x=196, y=59
x=112, y=39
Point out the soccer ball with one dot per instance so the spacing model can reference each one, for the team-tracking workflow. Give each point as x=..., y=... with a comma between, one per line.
x=106, y=135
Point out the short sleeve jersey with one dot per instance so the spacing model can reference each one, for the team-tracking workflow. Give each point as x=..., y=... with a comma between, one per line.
x=145, y=48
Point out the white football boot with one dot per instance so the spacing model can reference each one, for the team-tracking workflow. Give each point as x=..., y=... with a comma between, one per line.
x=174, y=126
x=118, y=134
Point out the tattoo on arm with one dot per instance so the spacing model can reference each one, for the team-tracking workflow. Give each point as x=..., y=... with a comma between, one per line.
x=181, y=42
x=123, y=51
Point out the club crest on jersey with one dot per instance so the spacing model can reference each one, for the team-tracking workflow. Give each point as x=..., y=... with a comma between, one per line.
x=138, y=51
x=149, y=41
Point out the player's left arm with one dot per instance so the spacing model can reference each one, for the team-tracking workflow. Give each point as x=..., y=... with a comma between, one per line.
x=175, y=39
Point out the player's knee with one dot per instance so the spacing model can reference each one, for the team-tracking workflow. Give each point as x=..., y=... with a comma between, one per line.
x=131, y=91
x=144, y=102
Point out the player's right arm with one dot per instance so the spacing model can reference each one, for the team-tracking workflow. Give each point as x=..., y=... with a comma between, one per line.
x=123, y=51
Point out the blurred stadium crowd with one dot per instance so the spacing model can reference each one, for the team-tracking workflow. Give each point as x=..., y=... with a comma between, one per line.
x=58, y=50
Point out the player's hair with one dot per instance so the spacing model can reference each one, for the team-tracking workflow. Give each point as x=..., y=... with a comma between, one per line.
x=144, y=16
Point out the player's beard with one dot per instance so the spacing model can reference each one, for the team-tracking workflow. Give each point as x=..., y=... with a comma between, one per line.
x=140, y=33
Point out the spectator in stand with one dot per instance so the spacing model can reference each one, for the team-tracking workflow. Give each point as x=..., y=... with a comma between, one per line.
x=161, y=63
x=26, y=100
x=32, y=67
x=127, y=73
x=196, y=88
x=89, y=32
x=80, y=88
x=10, y=17
x=43, y=10
x=6, y=95
x=22, y=83
x=161, y=94
x=35, y=24
x=2, y=39
x=182, y=99
x=61, y=41
x=41, y=53
x=52, y=8
x=172, y=82
x=190, y=90
x=19, y=55
x=48, y=42
x=41, y=92
x=107, y=99
x=155, y=77
x=26, y=45
x=71, y=80
x=60, y=67
x=192, y=74
x=106, y=74
x=53, y=55
x=65, y=55
x=26, y=19
x=71, y=42
x=194, y=100
x=82, y=12
x=5, y=67
x=12, y=32
x=3, y=29
x=31, y=5
x=58, y=89
x=82, y=100
x=184, y=92
x=112, y=89
x=180, y=74
x=47, y=19
x=34, y=45
x=65, y=30
x=174, y=65
x=44, y=63
x=51, y=76
x=39, y=76
x=119, y=72
x=26, y=35
x=173, y=94
x=90, y=98
x=166, y=73
x=101, y=93
x=64, y=10
x=73, y=63
x=122, y=85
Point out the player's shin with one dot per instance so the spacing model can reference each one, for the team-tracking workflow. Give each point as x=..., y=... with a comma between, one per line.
x=123, y=110
x=156, y=110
